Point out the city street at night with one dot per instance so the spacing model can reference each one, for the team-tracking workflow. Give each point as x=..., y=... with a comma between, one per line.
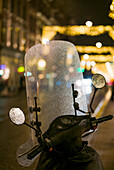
x=57, y=66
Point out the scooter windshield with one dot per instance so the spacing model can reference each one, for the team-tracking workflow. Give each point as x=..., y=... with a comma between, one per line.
x=50, y=71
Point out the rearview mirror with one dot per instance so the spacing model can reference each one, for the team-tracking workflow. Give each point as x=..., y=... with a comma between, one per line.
x=98, y=81
x=17, y=116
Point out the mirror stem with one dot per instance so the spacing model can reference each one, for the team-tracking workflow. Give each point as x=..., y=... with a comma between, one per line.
x=73, y=92
x=30, y=126
x=95, y=90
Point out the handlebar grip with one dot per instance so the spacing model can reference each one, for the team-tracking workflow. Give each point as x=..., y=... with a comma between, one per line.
x=34, y=152
x=105, y=118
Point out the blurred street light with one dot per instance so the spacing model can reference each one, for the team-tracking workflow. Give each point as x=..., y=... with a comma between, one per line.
x=45, y=41
x=41, y=64
x=86, y=56
x=89, y=23
x=98, y=44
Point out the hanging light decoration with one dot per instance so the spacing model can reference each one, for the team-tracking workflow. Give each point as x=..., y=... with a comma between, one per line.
x=50, y=31
x=111, y=12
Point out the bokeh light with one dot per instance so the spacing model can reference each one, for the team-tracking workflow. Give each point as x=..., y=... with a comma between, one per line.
x=89, y=23
x=41, y=64
x=98, y=44
x=86, y=56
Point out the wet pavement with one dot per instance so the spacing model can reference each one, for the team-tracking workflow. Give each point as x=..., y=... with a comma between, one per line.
x=12, y=136
x=103, y=139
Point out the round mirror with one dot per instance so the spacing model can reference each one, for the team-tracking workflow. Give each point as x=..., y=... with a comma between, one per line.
x=17, y=116
x=98, y=81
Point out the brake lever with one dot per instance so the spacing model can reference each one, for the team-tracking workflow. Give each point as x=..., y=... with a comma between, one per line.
x=35, y=152
x=20, y=155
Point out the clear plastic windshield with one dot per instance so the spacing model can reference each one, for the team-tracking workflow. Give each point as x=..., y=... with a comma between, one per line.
x=50, y=70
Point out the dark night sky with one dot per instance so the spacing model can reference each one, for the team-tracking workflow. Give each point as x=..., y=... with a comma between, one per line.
x=79, y=11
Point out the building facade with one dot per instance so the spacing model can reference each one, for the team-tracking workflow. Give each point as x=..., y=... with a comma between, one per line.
x=21, y=25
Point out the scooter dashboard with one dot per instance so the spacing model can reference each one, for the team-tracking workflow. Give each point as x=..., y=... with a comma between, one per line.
x=62, y=123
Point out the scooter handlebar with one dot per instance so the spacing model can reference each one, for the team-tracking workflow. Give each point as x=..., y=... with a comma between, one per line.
x=35, y=152
x=105, y=118
x=95, y=122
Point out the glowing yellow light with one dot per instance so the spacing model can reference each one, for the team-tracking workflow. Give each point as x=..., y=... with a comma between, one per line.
x=8, y=43
x=20, y=69
x=70, y=53
x=89, y=23
x=15, y=45
x=17, y=29
x=50, y=31
x=93, y=49
x=112, y=7
x=99, y=58
x=68, y=61
x=46, y=50
x=111, y=15
x=98, y=44
x=21, y=48
x=86, y=56
x=71, y=69
x=111, y=12
x=41, y=76
x=41, y=64
x=45, y=41
x=23, y=41
x=93, y=63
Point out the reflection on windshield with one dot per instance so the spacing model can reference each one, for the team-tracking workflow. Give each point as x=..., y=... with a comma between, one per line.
x=54, y=67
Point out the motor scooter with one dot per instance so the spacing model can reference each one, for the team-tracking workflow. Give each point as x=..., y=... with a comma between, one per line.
x=57, y=110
